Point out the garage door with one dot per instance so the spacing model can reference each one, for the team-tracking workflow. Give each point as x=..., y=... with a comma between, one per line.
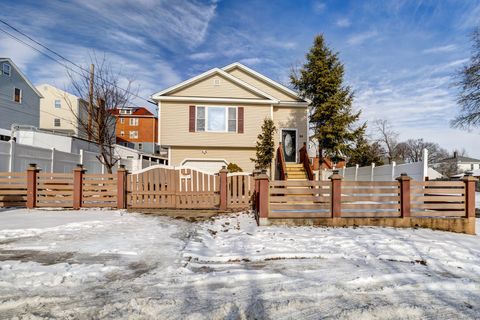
x=208, y=165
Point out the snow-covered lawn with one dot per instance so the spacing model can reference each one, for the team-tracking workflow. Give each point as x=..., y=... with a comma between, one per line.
x=112, y=264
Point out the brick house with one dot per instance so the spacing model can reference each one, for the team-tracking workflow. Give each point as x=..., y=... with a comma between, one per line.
x=136, y=128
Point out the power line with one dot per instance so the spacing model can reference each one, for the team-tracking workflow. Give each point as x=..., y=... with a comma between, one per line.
x=62, y=57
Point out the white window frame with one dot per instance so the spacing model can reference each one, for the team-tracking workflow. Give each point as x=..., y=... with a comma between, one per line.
x=122, y=120
x=133, y=122
x=133, y=136
x=21, y=95
x=9, y=67
x=59, y=104
x=55, y=122
x=226, y=118
x=122, y=133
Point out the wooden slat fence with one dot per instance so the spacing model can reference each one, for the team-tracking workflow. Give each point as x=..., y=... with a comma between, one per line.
x=438, y=199
x=370, y=199
x=170, y=188
x=295, y=199
x=99, y=190
x=54, y=190
x=240, y=190
x=13, y=189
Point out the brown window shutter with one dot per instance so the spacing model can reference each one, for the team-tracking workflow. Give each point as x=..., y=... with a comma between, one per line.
x=191, y=119
x=240, y=120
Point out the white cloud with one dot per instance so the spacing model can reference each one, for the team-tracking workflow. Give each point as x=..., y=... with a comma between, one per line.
x=319, y=7
x=441, y=49
x=360, y=38
x=202, y=56
x=343, y=23
x=18, y=52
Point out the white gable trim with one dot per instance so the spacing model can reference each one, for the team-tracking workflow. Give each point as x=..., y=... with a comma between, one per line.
x=160, y=95
x=207, y=99
x=21, y=75
x=264, y=78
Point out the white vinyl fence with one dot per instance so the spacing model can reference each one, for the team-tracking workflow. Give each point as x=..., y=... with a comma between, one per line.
x=15, y=157
x=416, y=170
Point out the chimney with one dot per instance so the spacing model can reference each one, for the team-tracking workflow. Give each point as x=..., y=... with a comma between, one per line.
x=455, y=154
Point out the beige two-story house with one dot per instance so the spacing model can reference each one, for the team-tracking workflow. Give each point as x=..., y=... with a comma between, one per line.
x=62, y=112
x=214, y=118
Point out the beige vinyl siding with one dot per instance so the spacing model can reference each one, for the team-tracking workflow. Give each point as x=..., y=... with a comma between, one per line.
x=225, y=89
x=174, y=126
x=261, y=85
x=240, y=156
x=291, y=118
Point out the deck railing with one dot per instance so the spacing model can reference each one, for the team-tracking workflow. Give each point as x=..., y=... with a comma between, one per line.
x=281, y=165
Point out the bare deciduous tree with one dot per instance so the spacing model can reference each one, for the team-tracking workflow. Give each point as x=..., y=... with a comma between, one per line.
x=102, y=95
x=469, y=85
x=388, y=138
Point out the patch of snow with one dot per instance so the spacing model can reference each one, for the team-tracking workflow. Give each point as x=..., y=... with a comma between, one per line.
x=113, y=264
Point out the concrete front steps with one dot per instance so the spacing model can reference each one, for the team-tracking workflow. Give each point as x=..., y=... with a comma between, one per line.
x=296, y=171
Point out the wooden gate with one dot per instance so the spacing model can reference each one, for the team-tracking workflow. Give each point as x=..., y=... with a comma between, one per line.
x=171, y=188
x=240, y=190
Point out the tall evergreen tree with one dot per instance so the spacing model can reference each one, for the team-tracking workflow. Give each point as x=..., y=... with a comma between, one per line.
x=265, y=147
x=364, y=153
x=332, y=118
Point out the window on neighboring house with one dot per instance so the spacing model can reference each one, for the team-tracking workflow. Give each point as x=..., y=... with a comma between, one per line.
x=140, y=146
x=6, y=68
x=17, y=95
x=56, y=122
x=217, y=119
x=122, y=120
x=58, y=104
x=133, y=134
x=122, y=133
x=134, y=121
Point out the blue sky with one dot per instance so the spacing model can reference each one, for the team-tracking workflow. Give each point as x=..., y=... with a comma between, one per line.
x=399, y=55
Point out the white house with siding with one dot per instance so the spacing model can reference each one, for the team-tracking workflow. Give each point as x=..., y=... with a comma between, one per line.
x=19, y=99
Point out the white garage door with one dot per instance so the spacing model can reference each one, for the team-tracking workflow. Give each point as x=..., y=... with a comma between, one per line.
x=208, y=165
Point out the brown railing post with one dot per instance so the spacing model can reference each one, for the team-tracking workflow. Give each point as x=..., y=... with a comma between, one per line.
x=470, y=183
x=223, y=188
x=122, y=187
x=256, y=184
x=32, y=172
x=336, y=190
x=78, y=186
x=404, y=181
x=263, y=197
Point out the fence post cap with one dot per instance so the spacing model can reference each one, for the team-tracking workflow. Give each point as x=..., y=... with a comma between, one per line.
x=223, y=170
x=469, y=178
x=403, y=177
x=335, y=175
x=32, y=165
x=262, y=176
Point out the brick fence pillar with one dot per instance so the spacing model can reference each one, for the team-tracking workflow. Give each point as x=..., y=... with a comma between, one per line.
x=470, y=183
x=32, y=172
x=263, y=196
x=405, y=201
x=122, y=187
x=78, y=186
x=223, y=188
x=336, y=194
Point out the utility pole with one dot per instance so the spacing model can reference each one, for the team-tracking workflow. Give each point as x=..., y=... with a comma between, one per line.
x=90, y=101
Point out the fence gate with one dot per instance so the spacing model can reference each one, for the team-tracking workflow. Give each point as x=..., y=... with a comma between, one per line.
x=171, y=188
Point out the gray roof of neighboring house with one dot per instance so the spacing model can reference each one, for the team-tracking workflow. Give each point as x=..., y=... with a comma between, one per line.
x=462, y=159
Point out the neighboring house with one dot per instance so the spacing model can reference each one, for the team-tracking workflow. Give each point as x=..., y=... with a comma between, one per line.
x=19, y=99
x=62, y=112
x=463, y=163
x=136, y=128
x=214, y=118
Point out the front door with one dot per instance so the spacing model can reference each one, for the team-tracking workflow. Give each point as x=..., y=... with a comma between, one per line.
x=289, y=143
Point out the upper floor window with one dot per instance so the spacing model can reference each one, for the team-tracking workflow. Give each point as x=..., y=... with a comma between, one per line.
x=122, y=120
x=216, y=119
x=125, y=111
x=56, y=122
x=133, y=134
x=17, y=95
x=58, y=104
x=134, y=121
x=6, y=69
x=122, y=133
